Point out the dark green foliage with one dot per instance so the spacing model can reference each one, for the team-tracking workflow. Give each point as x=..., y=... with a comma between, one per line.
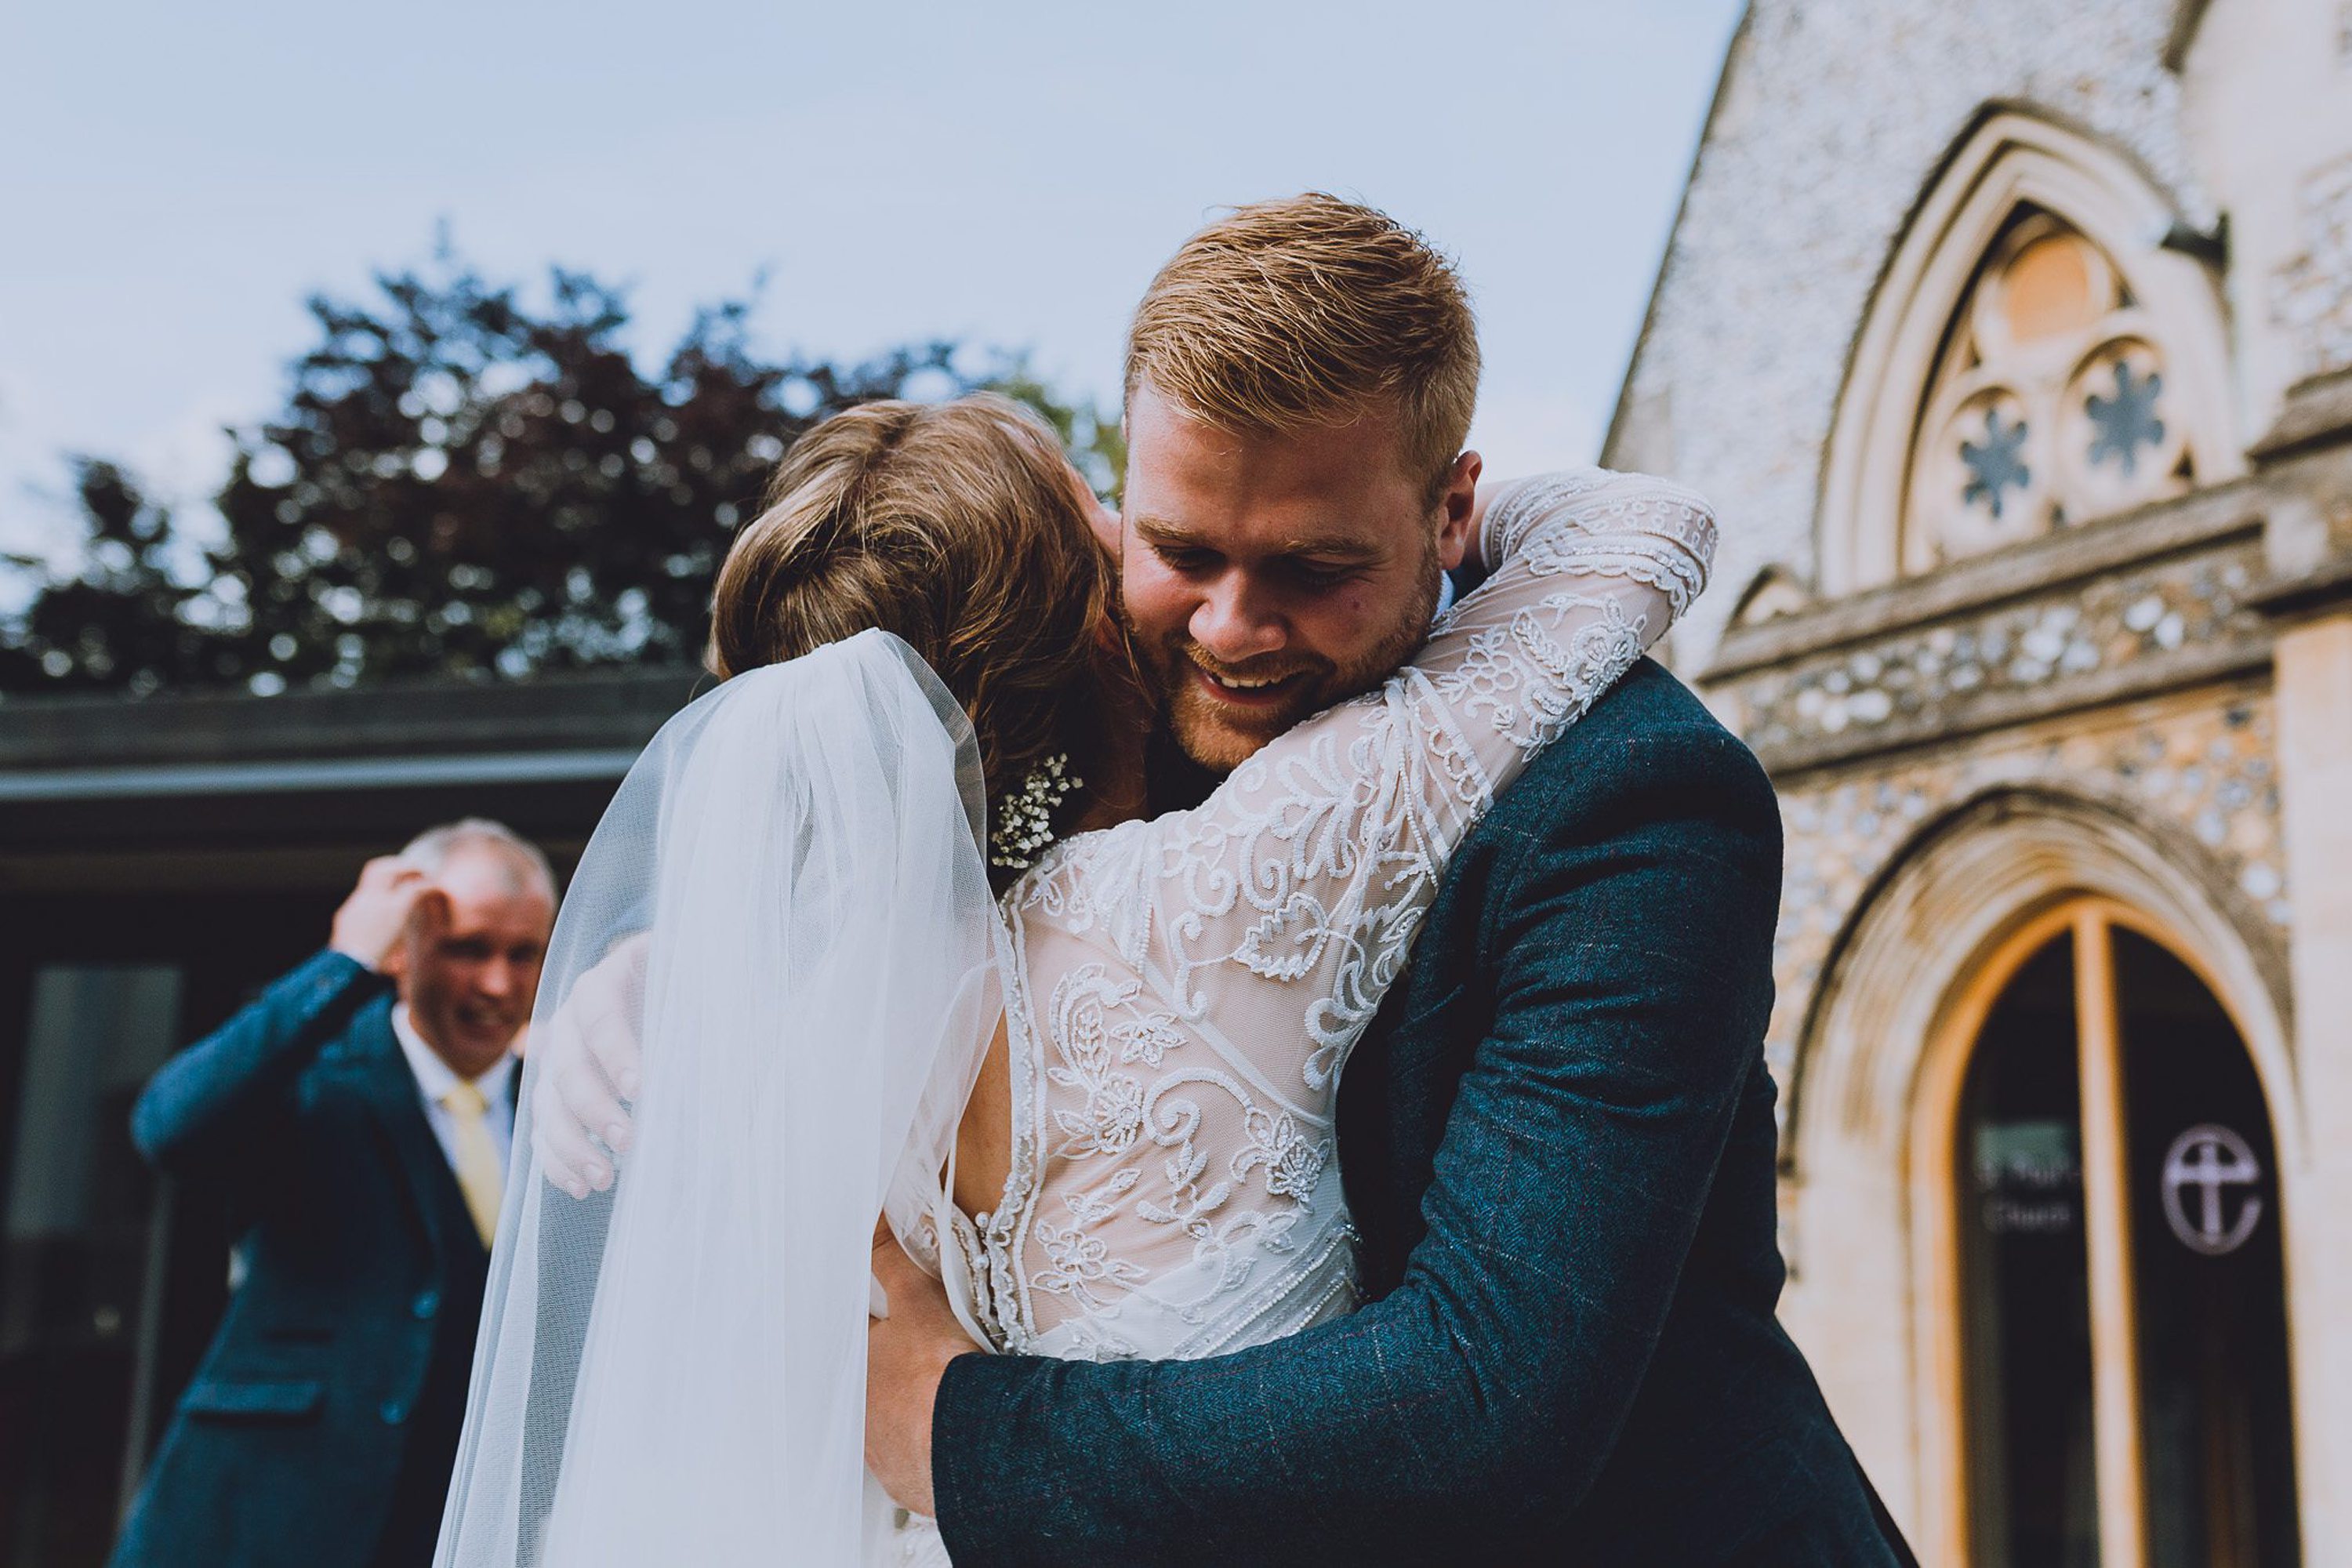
x=121, y=621
x=462, y=485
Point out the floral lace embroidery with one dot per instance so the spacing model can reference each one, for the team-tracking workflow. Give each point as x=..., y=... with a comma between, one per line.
x=1210, y=970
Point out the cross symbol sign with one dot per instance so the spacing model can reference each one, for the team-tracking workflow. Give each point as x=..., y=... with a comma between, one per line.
x=2211, y=1158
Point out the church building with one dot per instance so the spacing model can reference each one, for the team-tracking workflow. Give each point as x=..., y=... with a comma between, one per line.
x=2014, y=342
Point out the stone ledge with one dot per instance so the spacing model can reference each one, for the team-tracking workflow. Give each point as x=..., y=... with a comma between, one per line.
x=2204, y=665
x=2207, y=517
x=2318, y=413
x=2327, y=588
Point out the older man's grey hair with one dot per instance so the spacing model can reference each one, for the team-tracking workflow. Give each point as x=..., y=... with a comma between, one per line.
x=433, y=849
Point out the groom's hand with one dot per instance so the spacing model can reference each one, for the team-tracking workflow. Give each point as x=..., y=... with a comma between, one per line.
x=906, y=1353
x=589, y=1057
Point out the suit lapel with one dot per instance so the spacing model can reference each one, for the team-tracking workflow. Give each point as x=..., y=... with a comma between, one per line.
x=392, y=1093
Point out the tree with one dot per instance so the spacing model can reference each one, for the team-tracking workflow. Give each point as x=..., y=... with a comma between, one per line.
x=460, y=485
x=120, y=620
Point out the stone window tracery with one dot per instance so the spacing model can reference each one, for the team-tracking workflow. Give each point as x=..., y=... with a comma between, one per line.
x=2048, y=406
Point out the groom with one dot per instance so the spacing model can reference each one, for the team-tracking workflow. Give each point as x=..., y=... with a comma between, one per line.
x=1558, y=1137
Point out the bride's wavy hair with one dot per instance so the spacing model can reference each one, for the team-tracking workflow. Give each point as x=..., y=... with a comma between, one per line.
x=959, y=527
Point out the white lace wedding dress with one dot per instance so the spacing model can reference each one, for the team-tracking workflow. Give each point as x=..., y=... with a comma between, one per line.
x=785, y=909
x=1182, y=991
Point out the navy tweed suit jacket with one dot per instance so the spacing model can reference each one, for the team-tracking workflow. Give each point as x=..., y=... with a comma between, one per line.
x=320, y=1427
x=1557, y=1142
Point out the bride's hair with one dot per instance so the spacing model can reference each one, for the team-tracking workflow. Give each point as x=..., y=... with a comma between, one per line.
x=959, y=527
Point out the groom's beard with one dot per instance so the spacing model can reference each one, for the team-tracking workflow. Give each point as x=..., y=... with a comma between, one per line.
x=1220, y=736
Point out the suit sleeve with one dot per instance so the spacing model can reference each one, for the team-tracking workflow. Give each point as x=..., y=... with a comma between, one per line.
x=1632, y=955
x=221, y=1094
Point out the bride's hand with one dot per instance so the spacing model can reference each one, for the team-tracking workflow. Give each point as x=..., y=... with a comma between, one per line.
x=588, y=1057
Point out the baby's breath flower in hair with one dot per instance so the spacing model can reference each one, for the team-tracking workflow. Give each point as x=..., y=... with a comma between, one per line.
x=1024, y=821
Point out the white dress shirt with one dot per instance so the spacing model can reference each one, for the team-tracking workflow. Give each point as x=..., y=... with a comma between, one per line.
x=435, y=1077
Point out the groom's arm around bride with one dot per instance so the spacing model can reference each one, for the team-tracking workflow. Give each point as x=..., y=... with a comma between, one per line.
x=1558, y=1142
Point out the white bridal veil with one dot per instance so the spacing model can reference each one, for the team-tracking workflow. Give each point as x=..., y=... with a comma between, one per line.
x=674, y=1371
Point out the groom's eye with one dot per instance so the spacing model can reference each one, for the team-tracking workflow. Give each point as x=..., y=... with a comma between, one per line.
x=1182, y=558
x=1320, y=575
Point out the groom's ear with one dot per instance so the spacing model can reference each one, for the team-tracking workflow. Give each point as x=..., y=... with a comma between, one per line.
x=1457, y=503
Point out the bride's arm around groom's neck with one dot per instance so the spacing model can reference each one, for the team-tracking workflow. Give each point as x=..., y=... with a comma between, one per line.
x=1582, y=1030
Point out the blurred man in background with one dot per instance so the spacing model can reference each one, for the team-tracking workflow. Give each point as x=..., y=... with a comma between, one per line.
x=356, y=1118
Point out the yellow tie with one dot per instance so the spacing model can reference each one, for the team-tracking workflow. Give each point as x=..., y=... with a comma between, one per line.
x=479, y=1174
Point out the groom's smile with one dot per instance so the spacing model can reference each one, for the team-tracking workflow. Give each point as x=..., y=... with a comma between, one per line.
x=1266, y=576
x=1256, y=690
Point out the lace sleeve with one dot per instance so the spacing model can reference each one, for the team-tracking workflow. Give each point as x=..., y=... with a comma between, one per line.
x=1525, y=655
x=1298, y=886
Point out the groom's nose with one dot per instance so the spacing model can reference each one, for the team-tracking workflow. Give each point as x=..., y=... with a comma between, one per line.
x=1234, y=624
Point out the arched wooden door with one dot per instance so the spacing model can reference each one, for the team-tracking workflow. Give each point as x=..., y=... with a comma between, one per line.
x=2107, y=1211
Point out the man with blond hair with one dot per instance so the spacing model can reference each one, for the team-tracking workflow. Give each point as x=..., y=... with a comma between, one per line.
x=355, y=1122
x=1557, y=1139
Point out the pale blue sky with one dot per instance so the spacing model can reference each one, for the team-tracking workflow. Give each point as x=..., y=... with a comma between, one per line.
x=177, y=176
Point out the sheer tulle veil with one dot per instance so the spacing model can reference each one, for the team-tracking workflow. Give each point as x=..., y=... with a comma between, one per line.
x=673, y=1372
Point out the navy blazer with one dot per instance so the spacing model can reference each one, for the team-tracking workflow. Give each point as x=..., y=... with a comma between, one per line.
x=1558, y=1142
x=320, y=1427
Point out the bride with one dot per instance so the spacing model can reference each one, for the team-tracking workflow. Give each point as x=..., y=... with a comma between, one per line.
x=879, y=925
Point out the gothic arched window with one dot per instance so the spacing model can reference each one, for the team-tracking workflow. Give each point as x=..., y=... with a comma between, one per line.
x=2032, y=358
x=2050, y=403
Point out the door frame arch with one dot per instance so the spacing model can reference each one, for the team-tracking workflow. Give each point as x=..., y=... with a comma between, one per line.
x=1869, y=1208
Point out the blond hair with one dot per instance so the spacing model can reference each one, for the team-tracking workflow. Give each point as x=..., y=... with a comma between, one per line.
x=959, y=527
x=1312, y=311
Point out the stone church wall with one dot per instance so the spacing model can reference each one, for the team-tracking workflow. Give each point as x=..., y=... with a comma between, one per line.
x=1832, y=117
x=2151, y=707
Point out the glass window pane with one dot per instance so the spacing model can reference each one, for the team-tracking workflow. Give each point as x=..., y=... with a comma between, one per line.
x=77, y=1205
x=2026, y=1278
x=2048, y=291
x=2206, y=1240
